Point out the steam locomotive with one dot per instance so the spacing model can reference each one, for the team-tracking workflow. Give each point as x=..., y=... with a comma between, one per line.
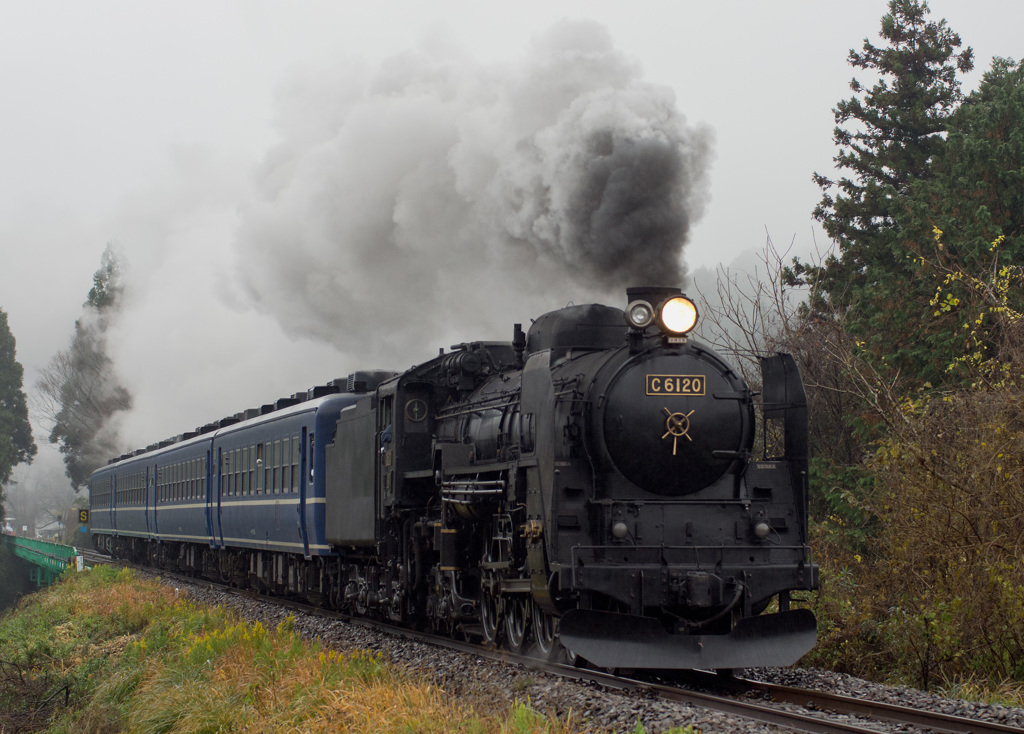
x=587, y=489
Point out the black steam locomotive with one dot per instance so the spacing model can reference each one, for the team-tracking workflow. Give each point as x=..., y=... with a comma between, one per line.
x=588, y=486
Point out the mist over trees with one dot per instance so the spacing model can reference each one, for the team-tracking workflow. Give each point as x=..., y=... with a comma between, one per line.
x=79, y=393
x=16, y=444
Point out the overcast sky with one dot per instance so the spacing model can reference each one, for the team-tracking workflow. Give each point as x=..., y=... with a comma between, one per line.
x=171, y=129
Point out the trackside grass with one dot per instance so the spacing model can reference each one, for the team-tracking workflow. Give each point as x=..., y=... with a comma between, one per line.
x=104, y=651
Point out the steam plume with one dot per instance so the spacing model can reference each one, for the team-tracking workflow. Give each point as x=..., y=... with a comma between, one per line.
x=432, y=194
x=416, y=203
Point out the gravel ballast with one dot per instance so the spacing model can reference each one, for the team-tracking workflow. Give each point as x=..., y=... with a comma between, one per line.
x=489, y=683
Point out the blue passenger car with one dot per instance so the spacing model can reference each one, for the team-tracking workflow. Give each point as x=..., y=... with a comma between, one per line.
x=270, y=491
x=131, y=498
x=180, y=496
x=243, y=499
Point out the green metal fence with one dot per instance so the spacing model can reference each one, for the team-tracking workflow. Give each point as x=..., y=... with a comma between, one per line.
x=49, y=560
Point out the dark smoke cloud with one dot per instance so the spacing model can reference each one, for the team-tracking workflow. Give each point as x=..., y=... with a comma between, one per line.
x=431, y=195
x=608, y=190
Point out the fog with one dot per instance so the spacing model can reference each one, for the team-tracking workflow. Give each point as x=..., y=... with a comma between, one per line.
x=409, y=205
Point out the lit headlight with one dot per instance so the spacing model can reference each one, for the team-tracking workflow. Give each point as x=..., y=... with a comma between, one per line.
x=639, y=314
x=678, y=315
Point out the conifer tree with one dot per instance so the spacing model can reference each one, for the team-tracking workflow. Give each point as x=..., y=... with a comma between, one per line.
x=79, y=389
x=16, y=444
x=887, y=136
x=975, y=199
x=975, y=191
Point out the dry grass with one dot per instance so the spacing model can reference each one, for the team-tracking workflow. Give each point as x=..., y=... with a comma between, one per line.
x=144, y=661
x=246, y=679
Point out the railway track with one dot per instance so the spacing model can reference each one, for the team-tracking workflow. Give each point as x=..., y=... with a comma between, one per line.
x=874, y=710
x=797, y=709
x=92, y=557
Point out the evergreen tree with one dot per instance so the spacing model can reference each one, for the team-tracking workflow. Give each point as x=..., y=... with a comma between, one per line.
x=868, y=303
x=888, y=138
x=106, y=282
x=895, y=128
x=79, y=389
x=16, y=444
x=975, y=198
x=975, y=193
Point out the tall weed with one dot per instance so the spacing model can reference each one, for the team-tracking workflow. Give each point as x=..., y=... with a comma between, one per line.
x=134, y=657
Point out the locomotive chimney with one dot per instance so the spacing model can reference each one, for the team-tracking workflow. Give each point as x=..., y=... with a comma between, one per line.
x=519, y=344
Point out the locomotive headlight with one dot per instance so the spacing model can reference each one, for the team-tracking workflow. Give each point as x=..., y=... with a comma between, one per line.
x=639, y=314
x=678, y=315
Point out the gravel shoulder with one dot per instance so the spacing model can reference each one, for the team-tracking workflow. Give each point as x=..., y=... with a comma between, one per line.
x=491, y=684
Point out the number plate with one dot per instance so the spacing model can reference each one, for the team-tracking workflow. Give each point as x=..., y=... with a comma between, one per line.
x=675, y=384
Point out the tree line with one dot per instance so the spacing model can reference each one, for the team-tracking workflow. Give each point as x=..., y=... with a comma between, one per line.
x=911, y=341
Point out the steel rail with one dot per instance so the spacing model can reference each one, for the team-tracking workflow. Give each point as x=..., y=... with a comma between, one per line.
x=877, y=710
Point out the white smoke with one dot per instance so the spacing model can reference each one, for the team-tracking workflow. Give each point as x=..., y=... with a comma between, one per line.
x=435, y=197
x=411, y=204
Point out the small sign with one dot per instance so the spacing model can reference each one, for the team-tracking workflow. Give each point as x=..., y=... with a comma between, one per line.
x=675, y=385
x=83, y=517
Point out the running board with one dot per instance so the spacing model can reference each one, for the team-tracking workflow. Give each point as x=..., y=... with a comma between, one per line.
x=610, y=640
